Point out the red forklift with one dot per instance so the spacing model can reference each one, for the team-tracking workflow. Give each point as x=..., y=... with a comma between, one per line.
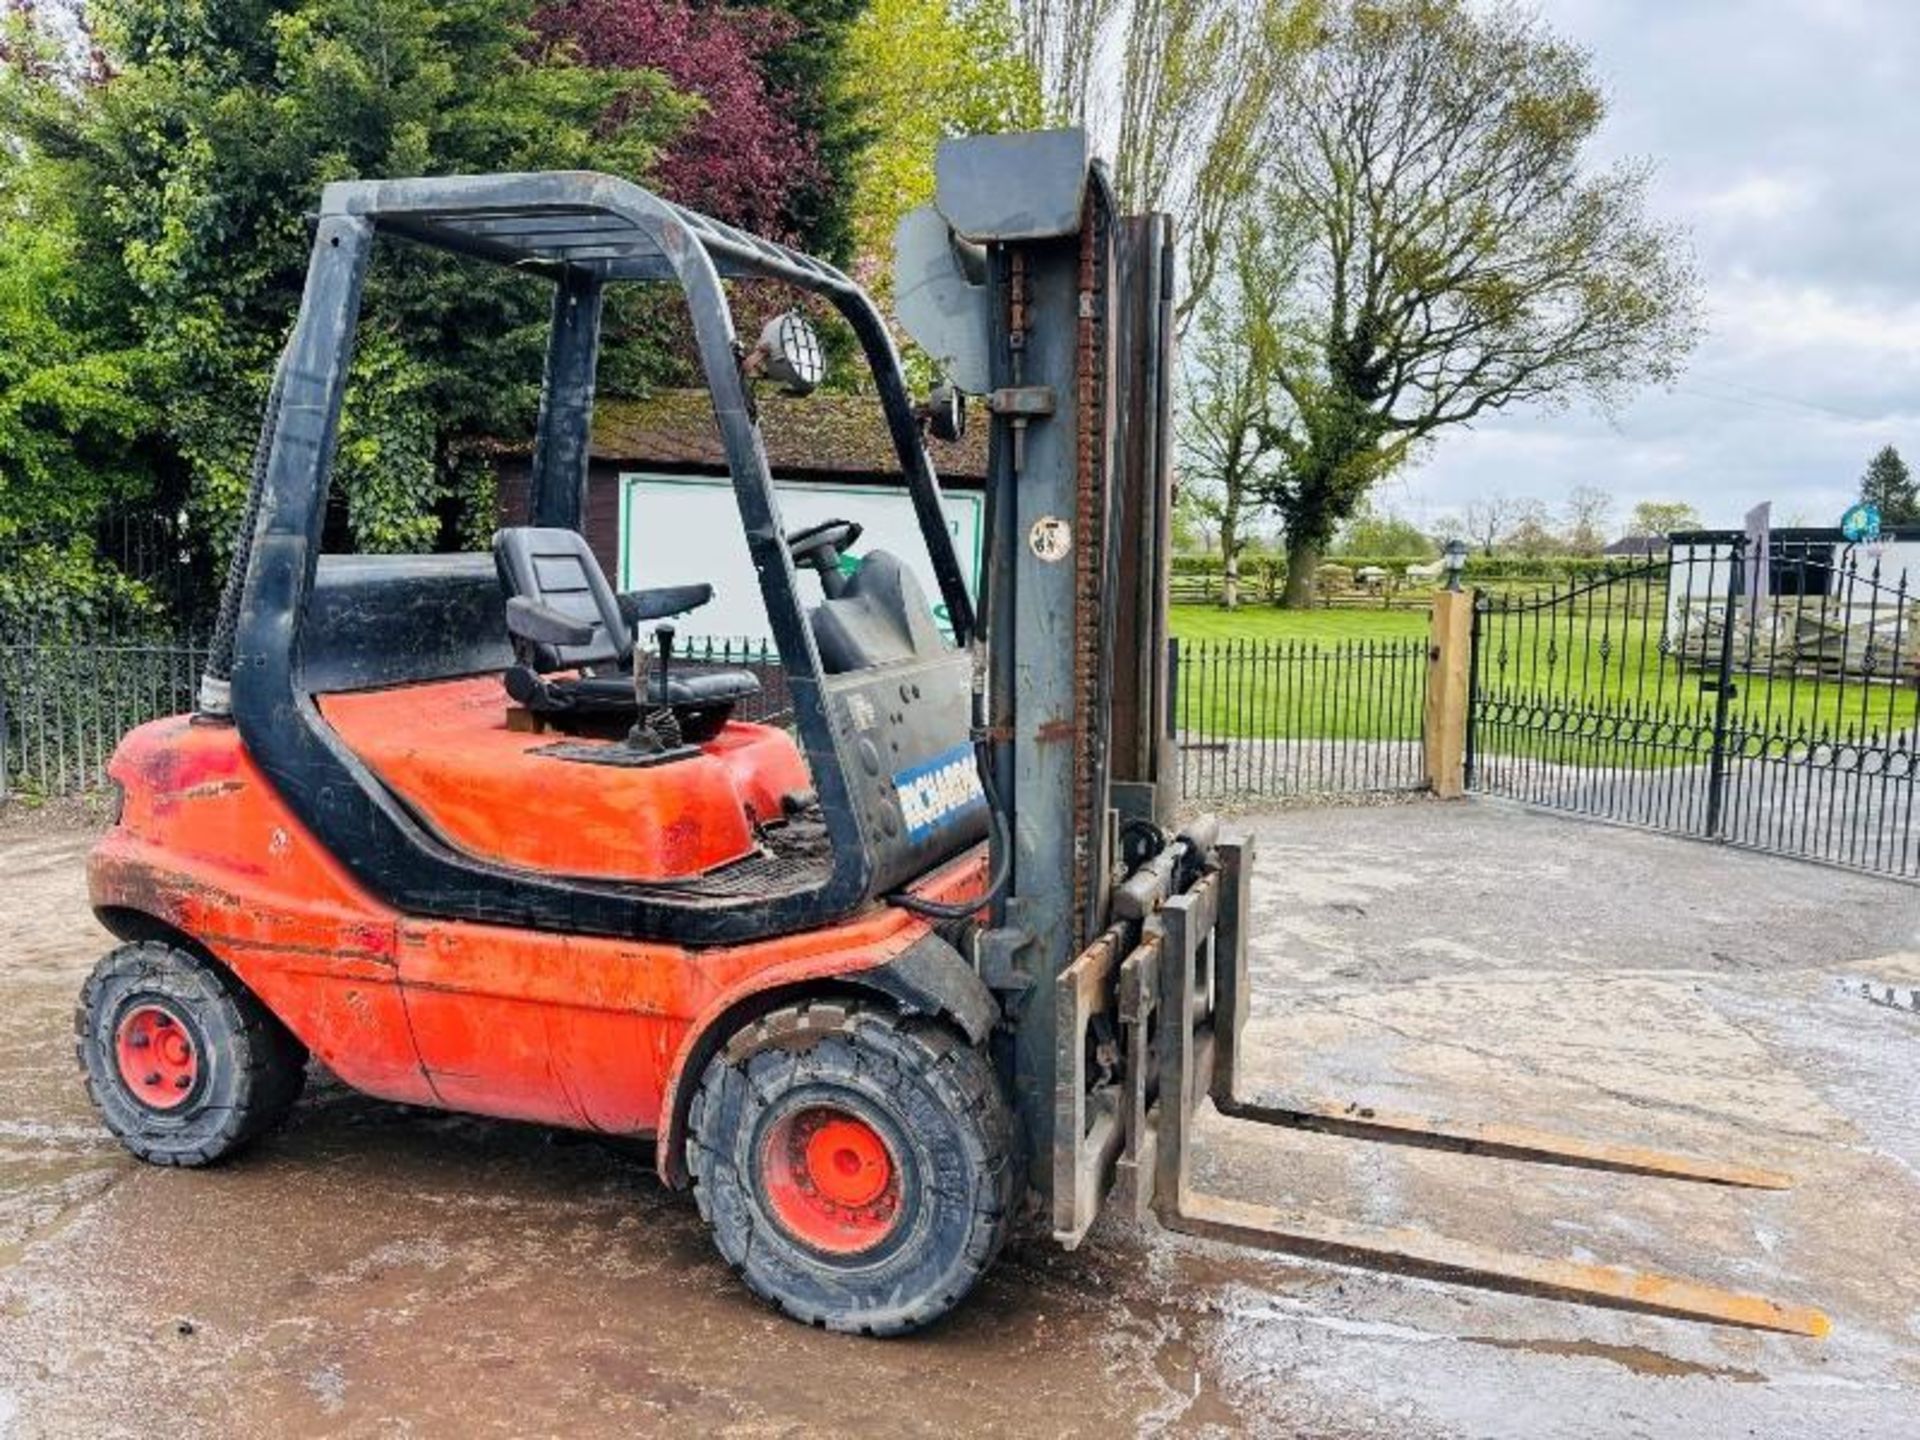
x=936, y=954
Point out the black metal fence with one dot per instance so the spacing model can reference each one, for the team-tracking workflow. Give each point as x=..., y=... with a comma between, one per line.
x=1768, y=702
x=65, y=703
x=1255, y=719
x=1299, y=717
x=774, y=704
x=1771, y=706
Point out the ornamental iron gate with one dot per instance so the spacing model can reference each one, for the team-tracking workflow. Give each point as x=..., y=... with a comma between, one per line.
x=1287, y=718
x=1767, y=704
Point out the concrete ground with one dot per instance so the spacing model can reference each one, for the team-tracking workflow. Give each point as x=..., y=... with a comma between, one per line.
x=382, y=1271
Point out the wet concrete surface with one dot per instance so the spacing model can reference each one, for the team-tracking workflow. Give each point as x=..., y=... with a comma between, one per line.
x=375, y=1270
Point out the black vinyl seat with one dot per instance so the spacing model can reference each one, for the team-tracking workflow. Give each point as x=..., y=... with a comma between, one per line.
x=556, y=569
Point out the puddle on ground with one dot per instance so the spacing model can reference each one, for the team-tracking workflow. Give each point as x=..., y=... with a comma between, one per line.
x=40, y=1194
x=1636, y=1358
x=1196, y=1385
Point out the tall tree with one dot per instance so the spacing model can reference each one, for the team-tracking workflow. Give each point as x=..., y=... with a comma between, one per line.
x=1061, y=40
x=1225, y=452
x=1456, y=255
x=1657, y=519
x=744, y=156
x=1198, y=83
x=919, y=71
x=807, y=68
x=171, y=181
x=1889, y=485
x=1179, y=94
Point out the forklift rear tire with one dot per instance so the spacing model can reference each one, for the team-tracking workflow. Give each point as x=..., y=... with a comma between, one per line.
x=856, y=1165
x=183, y=1063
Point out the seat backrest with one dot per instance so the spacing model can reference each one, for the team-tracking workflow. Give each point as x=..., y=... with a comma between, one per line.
x=557, y=568
x=881, y=617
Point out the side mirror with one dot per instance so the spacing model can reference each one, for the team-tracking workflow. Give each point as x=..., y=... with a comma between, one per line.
x=791, y=354
x=945, y=413
x=539, y=624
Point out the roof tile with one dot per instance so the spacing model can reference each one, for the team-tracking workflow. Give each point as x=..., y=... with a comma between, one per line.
x=836, y=433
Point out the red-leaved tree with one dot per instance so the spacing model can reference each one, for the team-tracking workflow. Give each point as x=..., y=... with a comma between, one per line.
x=743, y=158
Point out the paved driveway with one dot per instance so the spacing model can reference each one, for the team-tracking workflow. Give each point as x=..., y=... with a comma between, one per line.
x=380, y=1271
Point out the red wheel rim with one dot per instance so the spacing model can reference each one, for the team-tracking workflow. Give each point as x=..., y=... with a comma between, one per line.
x=831, y=1180
x=158, y=1062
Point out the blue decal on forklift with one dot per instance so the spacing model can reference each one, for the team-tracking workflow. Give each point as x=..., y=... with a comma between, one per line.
x=939, y=792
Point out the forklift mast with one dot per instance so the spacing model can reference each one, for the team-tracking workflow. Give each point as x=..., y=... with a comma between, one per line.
x=1119, y=944
x=1027, y=284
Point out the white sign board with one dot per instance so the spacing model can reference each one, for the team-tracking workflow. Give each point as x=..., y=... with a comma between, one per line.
x=1759, y=557
x=685, y=530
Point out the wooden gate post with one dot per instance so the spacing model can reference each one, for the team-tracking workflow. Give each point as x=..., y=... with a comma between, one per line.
x=1449, y=658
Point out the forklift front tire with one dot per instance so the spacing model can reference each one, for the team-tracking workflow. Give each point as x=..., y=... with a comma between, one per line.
x=855, y=1165
x=183, y=1063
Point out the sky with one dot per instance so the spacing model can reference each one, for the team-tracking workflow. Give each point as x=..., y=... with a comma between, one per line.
x=1785, y=139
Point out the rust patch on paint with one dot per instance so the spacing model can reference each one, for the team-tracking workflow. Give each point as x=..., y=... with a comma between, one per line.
x=211, y=789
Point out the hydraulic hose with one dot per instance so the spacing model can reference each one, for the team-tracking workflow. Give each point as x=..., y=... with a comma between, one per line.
x=215, y=698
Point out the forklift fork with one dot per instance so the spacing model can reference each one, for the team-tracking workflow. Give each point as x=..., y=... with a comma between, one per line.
x=1182, y=1008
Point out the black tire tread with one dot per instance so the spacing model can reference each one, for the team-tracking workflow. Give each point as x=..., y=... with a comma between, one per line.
x=958, y=1071
x=272, y=1063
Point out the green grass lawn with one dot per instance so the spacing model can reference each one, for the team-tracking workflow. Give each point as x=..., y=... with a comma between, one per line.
x=1345, y=674
x=1305, y=674
x=1209, y=622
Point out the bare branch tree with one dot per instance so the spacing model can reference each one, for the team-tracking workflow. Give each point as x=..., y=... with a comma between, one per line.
x=1588, y=509
x=1061, y=39
x=1487, y=519
x=1531, y=534
x=1225, y=421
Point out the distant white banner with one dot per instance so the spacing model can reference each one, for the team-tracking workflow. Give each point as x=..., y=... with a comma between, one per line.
x=1759, y=557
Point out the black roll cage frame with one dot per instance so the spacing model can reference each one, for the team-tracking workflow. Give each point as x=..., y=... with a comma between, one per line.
x=582, y=230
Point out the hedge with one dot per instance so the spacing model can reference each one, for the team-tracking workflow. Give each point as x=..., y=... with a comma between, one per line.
x=1479, y=567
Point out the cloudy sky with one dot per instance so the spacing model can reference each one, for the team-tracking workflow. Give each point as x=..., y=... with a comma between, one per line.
x=1786, y=137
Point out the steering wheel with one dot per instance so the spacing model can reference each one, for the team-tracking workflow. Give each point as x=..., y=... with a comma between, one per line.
x=819, y=547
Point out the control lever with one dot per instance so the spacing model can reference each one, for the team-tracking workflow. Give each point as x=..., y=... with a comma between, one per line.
x=655, y=730
x=663, y=642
